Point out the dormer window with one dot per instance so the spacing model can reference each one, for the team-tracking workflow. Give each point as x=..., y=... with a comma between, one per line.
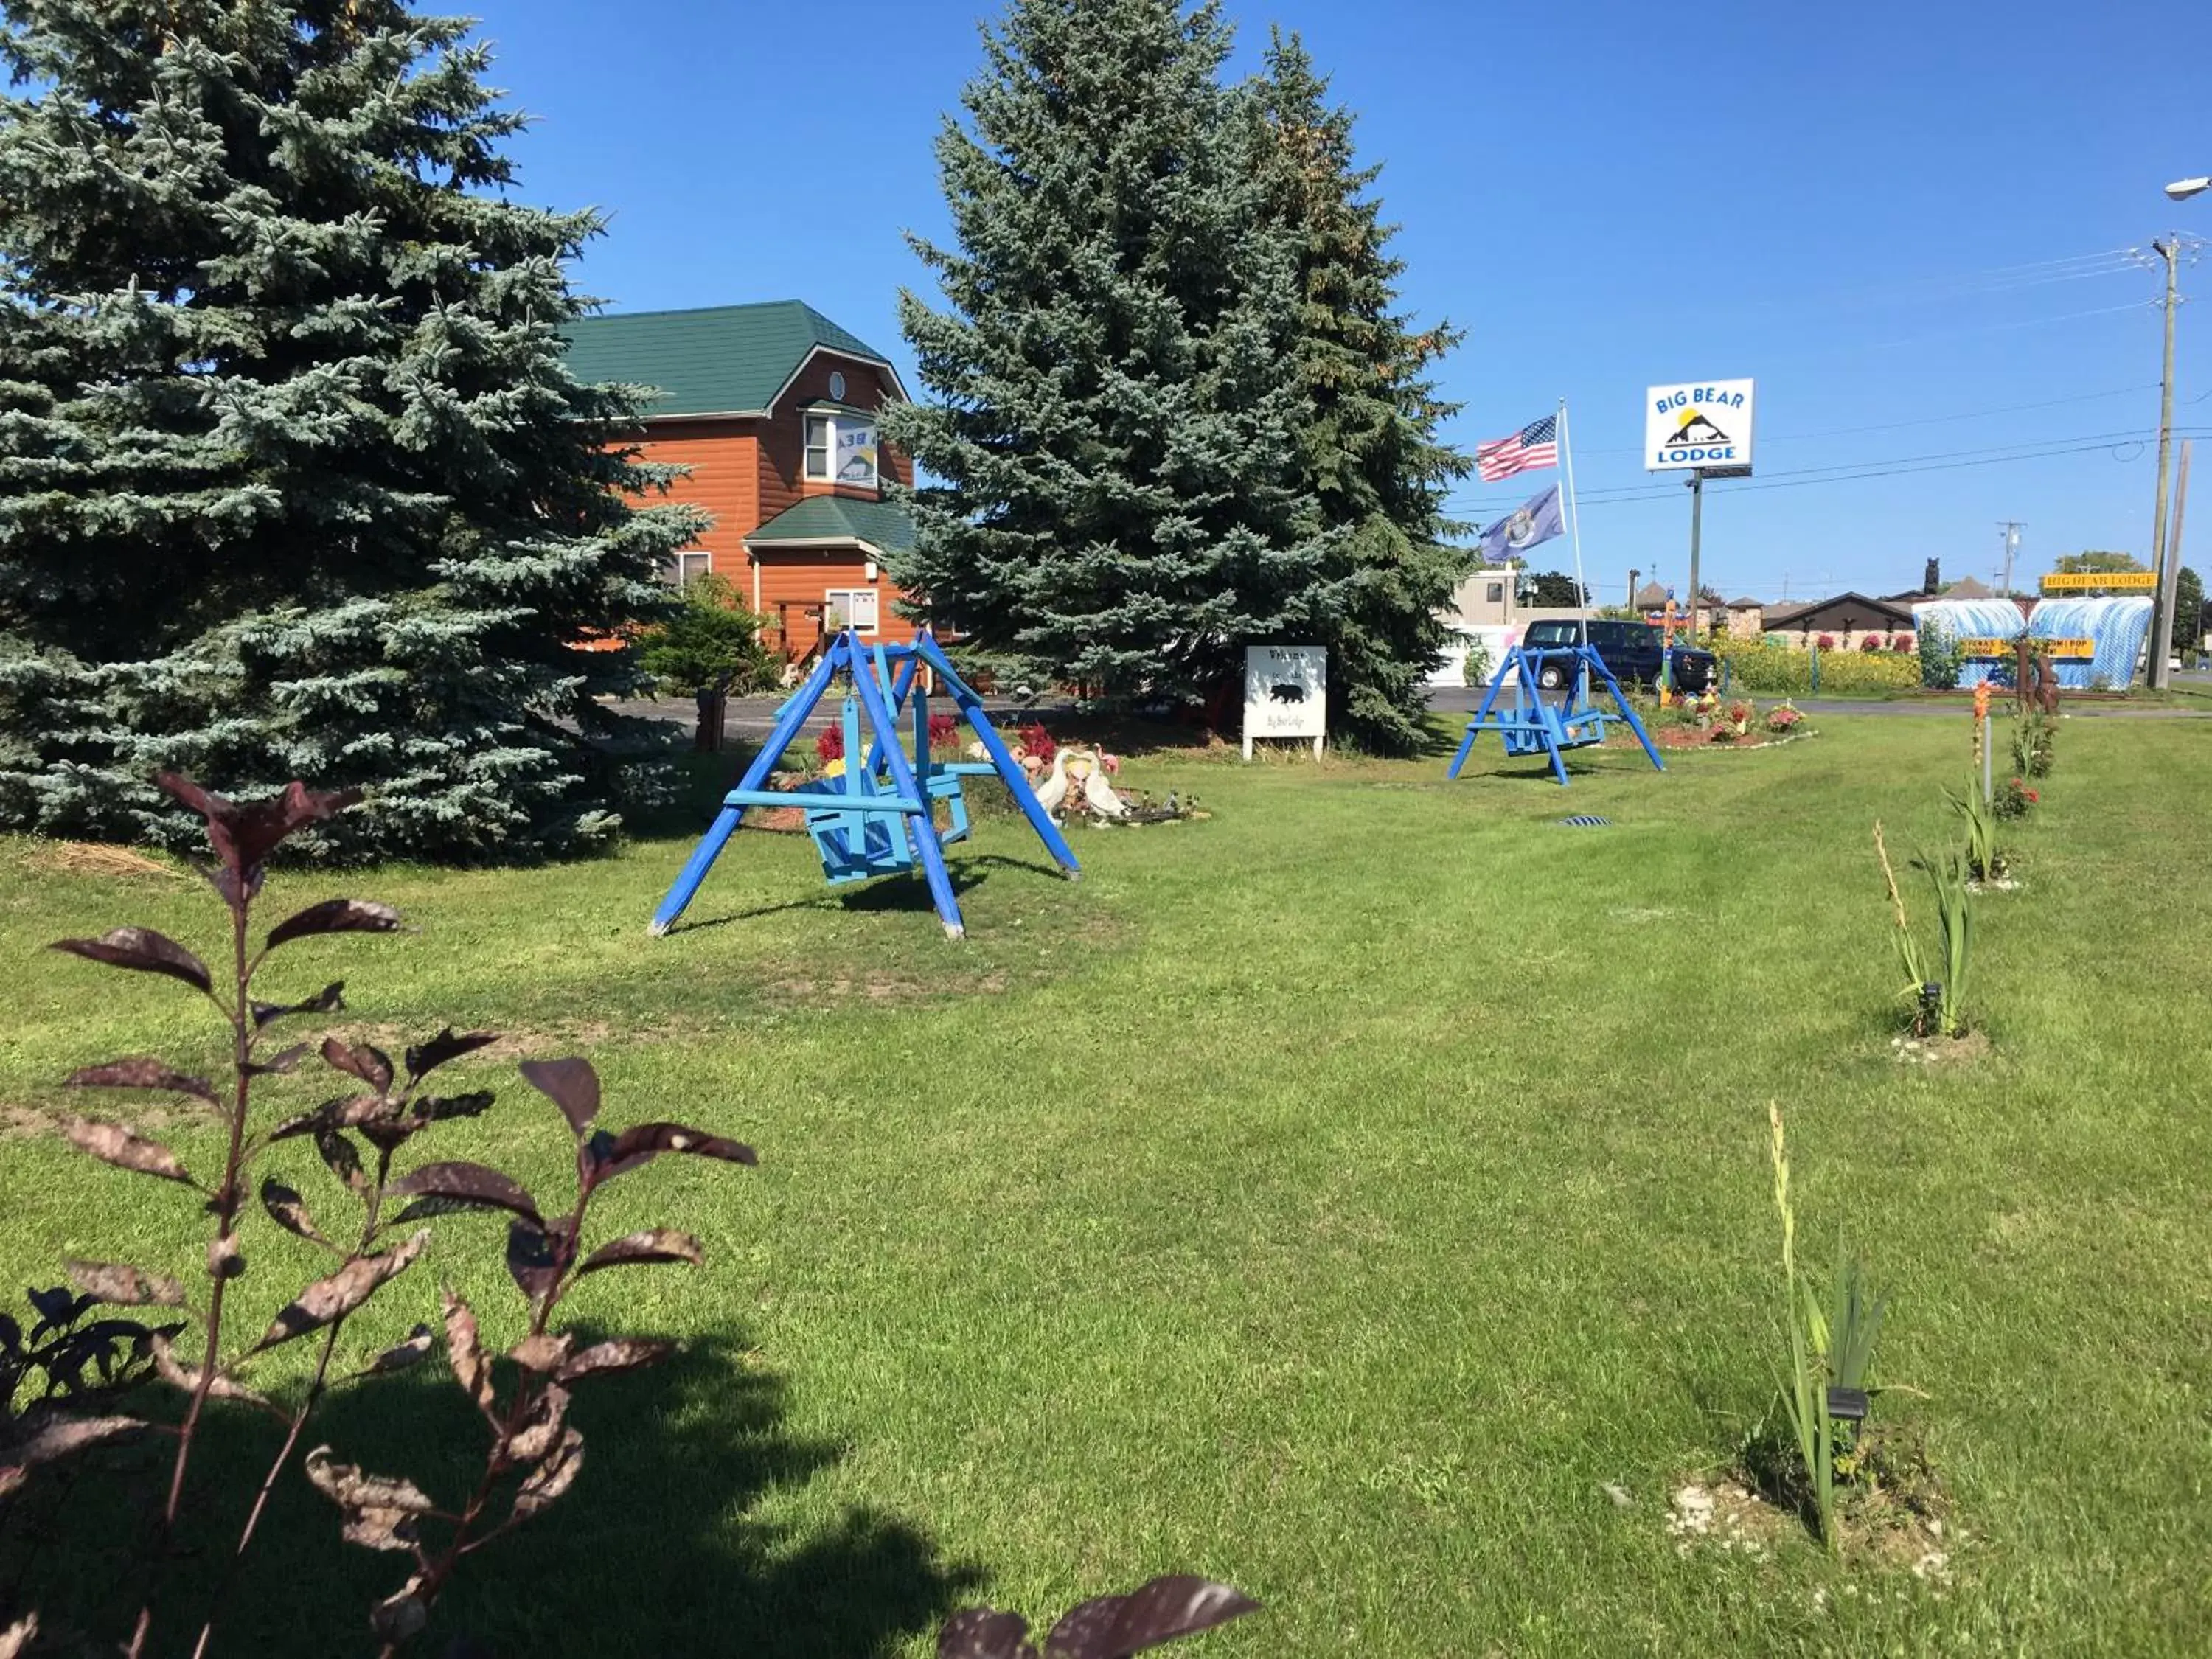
x=840, y=448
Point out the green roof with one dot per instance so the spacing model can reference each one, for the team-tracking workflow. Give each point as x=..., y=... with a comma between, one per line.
x=721, y=360
x=839, y=518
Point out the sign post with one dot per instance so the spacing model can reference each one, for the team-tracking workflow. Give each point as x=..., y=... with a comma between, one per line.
x=1285, y=694
x=1701, y=428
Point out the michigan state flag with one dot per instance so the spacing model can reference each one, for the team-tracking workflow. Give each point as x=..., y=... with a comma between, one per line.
x=1537, y=520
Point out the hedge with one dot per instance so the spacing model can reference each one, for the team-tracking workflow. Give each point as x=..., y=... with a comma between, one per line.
x=1754, y=665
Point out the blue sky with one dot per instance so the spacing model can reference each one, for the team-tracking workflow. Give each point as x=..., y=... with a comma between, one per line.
x=1889, y=215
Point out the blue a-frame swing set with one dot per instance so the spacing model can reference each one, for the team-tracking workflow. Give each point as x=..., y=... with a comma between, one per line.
x=880, y=817
x=1529, y=725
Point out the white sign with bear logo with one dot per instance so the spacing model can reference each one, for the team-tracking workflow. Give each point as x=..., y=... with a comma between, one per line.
x=1700, y=425
x=1286, y=693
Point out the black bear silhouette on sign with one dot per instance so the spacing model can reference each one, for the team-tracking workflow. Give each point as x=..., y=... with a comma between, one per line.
x=1287, y=692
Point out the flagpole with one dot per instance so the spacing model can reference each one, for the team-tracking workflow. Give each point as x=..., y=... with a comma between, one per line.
x=1573, y=524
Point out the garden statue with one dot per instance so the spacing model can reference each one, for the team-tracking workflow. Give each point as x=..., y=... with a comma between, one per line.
x=1082, y=770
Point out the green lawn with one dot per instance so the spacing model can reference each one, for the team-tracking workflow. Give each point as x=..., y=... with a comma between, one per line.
x=1330, y=1198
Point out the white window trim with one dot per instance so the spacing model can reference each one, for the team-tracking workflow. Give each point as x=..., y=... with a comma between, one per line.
x=680, y=574
x=831, y=599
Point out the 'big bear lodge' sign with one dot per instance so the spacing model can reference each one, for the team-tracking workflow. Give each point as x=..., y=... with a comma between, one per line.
x=1286, y=693
x=1699, y=426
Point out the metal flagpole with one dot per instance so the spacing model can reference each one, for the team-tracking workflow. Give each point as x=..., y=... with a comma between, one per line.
x=1575, y=529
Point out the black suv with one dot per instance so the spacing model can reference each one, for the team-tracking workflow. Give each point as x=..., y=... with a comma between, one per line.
x=1631, y=651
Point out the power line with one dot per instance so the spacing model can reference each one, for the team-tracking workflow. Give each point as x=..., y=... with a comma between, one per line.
x=1629, y=494
x=1923, y=420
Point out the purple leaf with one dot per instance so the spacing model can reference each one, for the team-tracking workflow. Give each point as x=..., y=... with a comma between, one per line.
x=143, y=1074
x=337, y=916
x=367, y=1062
x=143, y=951
x=1114, y=1626
x=341, y=1156
x=646, y=1141
x=111, y=1143
x=124, y=1285
x=404, y=1355
x=289, y=1211
x=223, y=1261
x=626, y=1354
x=380, y=1511
x=43, y=1436
x=531, y=1259
x=330, y=1299
x=571, y=1084
x=985, y=1634
x=542, y=1350
x=329, y=999
x=469, y=1183
x=464, y=1352
x=243, y=836
x=279, y=1063
x=538, y=1436
x=186, y=1379
x=426, y=1058
x=552, y=1477
x=654, y=1244
x=400, y=1617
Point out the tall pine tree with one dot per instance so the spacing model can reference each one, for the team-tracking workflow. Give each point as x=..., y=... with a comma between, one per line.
x=294, y=480
x=1112, y=429
x=1366, y=442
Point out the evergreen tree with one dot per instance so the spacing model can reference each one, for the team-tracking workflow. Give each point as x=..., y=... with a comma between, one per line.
x=1112, y=426
x=1366, y=447
x=293, y=480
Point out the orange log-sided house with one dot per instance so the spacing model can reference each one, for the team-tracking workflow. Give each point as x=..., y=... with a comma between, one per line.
x=773, y=409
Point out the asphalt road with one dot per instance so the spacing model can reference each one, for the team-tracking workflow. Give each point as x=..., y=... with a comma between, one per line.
x=752, y=717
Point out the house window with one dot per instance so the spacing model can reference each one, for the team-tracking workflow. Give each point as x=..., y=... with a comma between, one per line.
x=687, y=567
x=849, y=607
x=842, y=448
x=1495, y=591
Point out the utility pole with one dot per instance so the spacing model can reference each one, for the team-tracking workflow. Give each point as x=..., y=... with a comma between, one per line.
x=1633, y=573
x=2012, y=527
x=2162, y=622
x=2167, y=600
x=1696, y=522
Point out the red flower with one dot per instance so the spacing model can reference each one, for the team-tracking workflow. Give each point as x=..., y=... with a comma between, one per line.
x=830, y=745
x=943, y=728
x=1037, y=741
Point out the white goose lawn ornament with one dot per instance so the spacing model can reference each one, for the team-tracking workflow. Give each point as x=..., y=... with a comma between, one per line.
x=1079, y=767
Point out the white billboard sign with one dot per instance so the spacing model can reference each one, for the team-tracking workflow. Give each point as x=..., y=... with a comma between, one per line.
x=1286, y=693
x=1697, y=426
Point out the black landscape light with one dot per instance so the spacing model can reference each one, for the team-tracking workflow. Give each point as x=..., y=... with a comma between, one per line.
x=1847, y=1405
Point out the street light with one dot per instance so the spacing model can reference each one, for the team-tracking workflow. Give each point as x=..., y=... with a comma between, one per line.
x=2182, y=189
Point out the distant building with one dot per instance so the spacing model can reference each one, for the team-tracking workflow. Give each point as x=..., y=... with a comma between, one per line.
x=774, y=408
x=1846, y=619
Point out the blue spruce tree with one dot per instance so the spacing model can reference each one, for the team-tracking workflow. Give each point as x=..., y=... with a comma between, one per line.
x=1112, y=430
x=294, y=480
x=1365, y=440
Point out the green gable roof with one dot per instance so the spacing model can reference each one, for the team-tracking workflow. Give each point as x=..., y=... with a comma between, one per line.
x=838, y=519
x=722, y=360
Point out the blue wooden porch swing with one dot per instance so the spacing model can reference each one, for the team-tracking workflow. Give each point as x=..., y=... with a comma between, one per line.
x=1529, y=725
x=880, y=818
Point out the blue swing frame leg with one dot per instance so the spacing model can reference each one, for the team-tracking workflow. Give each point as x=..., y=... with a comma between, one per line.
x=793, y=716
x=1008, y=767
x=920, y=827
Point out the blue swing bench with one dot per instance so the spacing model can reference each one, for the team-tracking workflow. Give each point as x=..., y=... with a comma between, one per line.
x=1529, y=725
x=880, y=817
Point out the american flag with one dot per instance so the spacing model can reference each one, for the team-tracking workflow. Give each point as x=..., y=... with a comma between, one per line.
x=1534, y=446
